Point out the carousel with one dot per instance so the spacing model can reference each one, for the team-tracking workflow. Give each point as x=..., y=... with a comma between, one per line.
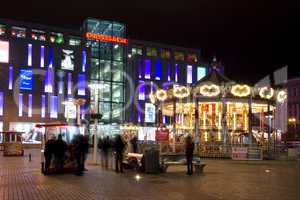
x=218, y=111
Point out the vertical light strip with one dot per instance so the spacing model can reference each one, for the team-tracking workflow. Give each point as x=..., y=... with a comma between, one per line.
x=60, y=87
x=1, y=103
x=189, y=74
x=82, y=109
x=42, y=61
x=20, y=105
x=141, y=90
x=29, y=59
x=50, y=60
x=151, y=87
x=147, y=69
x=43, y=109
x=69, y=83
x=176, y=72
x=81, y=84
x=49, y=81
x=30, y=105
x=140, y=69
x=53, y=106
x=10, y=78
x=169, y=72
x=83, y=61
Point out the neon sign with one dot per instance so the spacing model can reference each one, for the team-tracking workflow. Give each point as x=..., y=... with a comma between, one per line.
x=106, y=38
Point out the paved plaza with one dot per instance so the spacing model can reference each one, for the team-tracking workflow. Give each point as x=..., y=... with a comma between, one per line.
x=222, y=179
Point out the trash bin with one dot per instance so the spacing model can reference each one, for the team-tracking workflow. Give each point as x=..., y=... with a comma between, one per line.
x=151, y=161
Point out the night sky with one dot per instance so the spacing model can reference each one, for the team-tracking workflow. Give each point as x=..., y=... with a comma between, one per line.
x=252, y=38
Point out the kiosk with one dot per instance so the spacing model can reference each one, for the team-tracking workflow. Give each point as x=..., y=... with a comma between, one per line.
x=12, y=143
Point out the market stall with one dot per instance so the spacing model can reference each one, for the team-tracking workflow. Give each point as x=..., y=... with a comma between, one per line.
x=12, y=143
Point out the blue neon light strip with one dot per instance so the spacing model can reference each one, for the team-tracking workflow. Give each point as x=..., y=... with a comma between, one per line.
x=50, y=59
x=53, y=106
x=189, y=74
x=147, y=69
x=169, y=72
x=83, y=61
x=69, y=84
x=10, y=78
x=158, y=70
x=30, y=105
x=29, y=60
x=1, y=103
x=42, y=61
x=43, y=109
x=176, y=72
x=81, y=84
x=20, y=105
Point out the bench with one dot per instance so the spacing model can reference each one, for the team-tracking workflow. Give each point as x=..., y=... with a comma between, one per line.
x=173, y=160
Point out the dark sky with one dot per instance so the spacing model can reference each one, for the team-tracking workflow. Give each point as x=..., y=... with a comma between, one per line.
x=252, y=38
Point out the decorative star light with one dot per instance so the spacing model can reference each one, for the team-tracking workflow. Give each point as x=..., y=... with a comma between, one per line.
x=266, y=92
x=181, y=92
x=240, y=90
x=281, y=96
x=161, y=95
x=210, y=90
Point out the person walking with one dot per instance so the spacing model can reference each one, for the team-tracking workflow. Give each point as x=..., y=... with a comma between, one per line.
x=104, y=150
x=48, y=153
x=60, y=150
x=189, y=151
x=119, y=148
x=78, y=150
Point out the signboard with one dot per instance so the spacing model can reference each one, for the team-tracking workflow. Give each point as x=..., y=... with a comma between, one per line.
x=239, y=153
x=26, y=79
x=162, y=135
x=68, y=59
x=106, y=38
x=149, y=113
x=31, y=135
x=146, y=133
x=255, y=153
x=70, y=111
x=4, y=51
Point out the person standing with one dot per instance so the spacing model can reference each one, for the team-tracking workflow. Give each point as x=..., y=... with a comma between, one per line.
x=60, y=150
x=119, y=148
x=134, y=144
x=78, y=150
x=48, y=153
x=189, y=151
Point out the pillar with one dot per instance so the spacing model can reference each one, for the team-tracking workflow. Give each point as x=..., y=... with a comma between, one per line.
x=196, y=124
x=250, y=121
x=174, y=124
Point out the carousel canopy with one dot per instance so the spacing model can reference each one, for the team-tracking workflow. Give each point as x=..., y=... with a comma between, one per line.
x=214, y=77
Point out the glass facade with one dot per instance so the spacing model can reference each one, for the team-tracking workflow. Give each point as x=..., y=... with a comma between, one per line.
x=108, y=61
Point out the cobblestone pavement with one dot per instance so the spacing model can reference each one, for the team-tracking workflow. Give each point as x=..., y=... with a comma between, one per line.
x=222, y=179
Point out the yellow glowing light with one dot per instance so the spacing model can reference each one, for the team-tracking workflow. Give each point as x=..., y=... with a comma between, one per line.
x=210, y=90
x=281, y=96
x=205, y=136
x=161, y=95
x=240, y=90
x=266, y=92
x=292, y=120
x=152, y=98
x=181, y=92
x=137, y=177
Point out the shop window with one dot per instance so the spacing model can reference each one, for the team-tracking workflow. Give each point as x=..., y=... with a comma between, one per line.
x=3, y=29
x=179, y=56
x=158, y=70
x=57, y=38
x=150, y=51
x=137, y=51
x=166, y=54
x=18, y=32
x=38, y=35
x=105, y=70
x=147, y=69
x=117, y=92
x=201, y=72
x=74, y=41
x=117, y=72
x=191, y=58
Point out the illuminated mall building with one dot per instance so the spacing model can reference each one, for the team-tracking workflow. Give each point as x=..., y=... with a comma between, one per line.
x=44, y=69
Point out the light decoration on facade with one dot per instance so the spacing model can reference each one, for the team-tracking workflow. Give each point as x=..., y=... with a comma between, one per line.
x=106, y=38
x=266, y=92
x=210, y=90
x=240, y=90
x=152, y=98
x=181, y=92
x=161, y=95
x=281, y=96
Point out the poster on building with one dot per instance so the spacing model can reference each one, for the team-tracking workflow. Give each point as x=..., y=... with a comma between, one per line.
x=4, y=51
x=162, y=135
x=26, y=79
x=31, y=135
x=239, y=153
x=149, y=113
x=146, y=133
x=70, y=111
x=67, y=61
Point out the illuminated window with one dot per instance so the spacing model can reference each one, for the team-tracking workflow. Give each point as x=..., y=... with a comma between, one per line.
x=140, y=69
x=201, y=72
x=83, y=61
x=81, y=84
x=38, y=35
x=179, y=56
x=50, y=57
x=166, y=54
x=49, y=80
x=192, y=58
x=141, y=90
x=10, y=78
x=61, y=82
x=67, y=61
x=74, y=41
x=18, y=32
x=53, y=106
x=158, y=70
x=42, y=59
x=4, y=51
x=189, y=74
x=69, y=84
x=29, y=105
x=169, y=72
x=1, y=103
x=3, y=29
x=57, y=38
x=20, y=105
x=29, y=58
x=137, y=51
x=147, y=69
x=43, y=106
x=176, y=72
x=150, y=51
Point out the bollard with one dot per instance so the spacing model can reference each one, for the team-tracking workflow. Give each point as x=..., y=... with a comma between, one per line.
x=29, y=157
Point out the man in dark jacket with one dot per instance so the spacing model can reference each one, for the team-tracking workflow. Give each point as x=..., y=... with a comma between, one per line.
x=119, y=148
x=60, y=150
x=189, y=151
x=48, y=153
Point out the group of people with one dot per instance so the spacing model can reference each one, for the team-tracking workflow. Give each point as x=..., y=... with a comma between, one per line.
x=56, y=149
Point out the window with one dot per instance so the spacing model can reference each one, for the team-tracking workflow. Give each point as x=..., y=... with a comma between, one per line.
x=56, y=38
x=105, y=110
x=74, y=41
x=150, y=51
x=105, y=71
x=147, y=69
x=18, y=32
x=189, y=74
x=117, y=109
x=117, y=72
x=104, y=91
x=179, y=56
x=20, y=105
x=53, y=106
x=29, y=58
x=81, y=84
x=4, y=51
x=3, y=29
x=137, y=51
x=95, y=70
x=118, y=51
x=38, y=35
x=141, y=90
x=10, y=78
x=117, y=92
x=201, y=72
x=166, y=54
x=158, y=70
x=192, y=58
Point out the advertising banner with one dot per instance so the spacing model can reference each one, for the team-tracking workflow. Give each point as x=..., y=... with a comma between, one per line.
x=26, y=79
x=162, y=135
x=149, y=113
x=4, y=51
x=239, y=153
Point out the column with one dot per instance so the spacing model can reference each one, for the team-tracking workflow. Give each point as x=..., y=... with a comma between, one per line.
x=250, y=120
x=196, y=124
x=224, y=121
x=174, y=124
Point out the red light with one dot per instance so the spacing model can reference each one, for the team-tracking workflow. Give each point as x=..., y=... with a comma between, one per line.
x=106, y=38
